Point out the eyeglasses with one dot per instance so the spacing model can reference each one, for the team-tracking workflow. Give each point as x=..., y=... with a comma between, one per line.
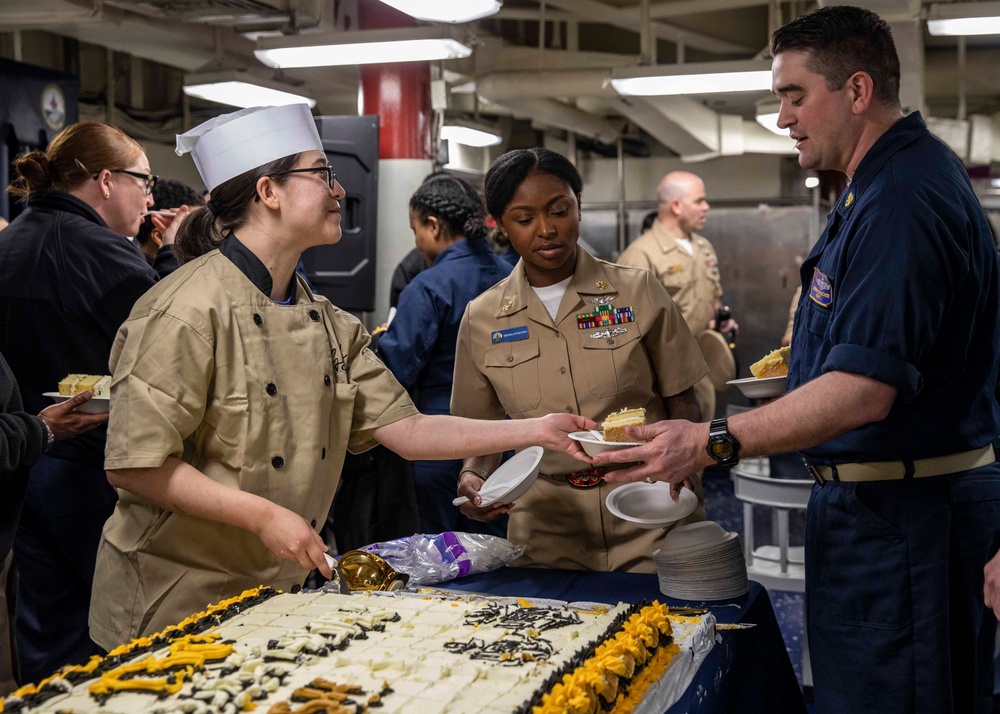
x=328, y=170
x=150, y=179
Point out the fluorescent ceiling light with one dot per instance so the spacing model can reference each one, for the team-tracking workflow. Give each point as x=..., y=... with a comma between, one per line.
x=767, y=116
x=239, y=89
x=695, y=78
x=361, y=47
x=470, y=135
x=964, y=18
x=446, y=10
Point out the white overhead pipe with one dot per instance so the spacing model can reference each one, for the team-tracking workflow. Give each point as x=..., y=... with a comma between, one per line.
x=557, y=114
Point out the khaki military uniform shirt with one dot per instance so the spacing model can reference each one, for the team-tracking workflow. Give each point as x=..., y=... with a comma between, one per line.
x=512, y=359
x=260, y=397
x=691, y=279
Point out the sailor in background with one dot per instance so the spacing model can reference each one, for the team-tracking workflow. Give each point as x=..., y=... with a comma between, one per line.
x=448, y=221
x=567, y=332
x=686, y=264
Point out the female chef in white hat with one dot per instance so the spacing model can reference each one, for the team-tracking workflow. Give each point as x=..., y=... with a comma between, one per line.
x=237, y=391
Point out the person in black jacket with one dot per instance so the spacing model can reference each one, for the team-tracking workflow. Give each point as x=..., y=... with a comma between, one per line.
x=155, y=233
x=24, y=438
x=68, y=280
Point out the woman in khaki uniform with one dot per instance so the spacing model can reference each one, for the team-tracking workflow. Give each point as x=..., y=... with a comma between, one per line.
x=237, y=391
x=567, y=332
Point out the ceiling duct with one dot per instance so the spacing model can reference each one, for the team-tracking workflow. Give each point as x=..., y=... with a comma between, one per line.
x=211, y=12
x=563, y=116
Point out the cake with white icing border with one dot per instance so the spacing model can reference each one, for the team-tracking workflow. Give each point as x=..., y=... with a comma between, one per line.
x=301, y=653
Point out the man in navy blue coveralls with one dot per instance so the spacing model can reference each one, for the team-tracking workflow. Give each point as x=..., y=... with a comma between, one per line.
x=892, y=381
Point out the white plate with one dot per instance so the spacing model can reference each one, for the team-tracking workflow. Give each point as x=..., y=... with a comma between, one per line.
x=692, y=536
x=96, y=405
x=593, y=442
x=512, y=480
x=649, y=505
x=760, y=388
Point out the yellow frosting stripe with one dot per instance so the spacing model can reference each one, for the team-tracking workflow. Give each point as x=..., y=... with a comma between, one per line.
x=581, y=691
x=188, y=653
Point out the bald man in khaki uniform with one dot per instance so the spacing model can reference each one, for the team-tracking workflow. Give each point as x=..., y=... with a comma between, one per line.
x=684, y=262
x=514, y=359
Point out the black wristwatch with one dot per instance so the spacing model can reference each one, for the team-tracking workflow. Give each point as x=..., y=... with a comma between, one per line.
x=723, y=447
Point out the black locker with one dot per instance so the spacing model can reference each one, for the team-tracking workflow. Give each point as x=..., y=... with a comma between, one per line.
x=345, y=273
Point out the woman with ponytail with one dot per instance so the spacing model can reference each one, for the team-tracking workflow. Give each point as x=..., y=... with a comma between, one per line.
x=68, y=278
x=448, y=220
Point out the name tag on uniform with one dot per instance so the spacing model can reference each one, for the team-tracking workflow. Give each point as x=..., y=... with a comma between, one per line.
x=821, y=290
x=512, y=334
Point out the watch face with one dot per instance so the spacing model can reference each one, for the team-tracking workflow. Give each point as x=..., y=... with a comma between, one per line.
x=722, y=450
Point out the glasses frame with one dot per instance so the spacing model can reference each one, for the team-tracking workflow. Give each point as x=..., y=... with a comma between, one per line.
x=150, y=179
x=331, y=176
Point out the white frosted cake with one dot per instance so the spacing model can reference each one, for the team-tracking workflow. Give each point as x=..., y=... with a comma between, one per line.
x=321, y=652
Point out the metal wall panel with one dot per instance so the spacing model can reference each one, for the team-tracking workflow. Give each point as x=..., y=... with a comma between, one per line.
x=345, y=272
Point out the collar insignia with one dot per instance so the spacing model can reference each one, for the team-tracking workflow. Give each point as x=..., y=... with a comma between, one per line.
x=850, y=199
x=507, y=305
x=601, y=285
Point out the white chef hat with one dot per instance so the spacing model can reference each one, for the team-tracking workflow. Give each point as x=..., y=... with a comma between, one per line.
x=232, y=144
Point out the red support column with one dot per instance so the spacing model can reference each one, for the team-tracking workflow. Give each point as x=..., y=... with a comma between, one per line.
x=399, y=93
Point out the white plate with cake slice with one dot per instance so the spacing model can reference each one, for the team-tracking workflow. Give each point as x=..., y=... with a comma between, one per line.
x=593, y=442
x=761, y=388
x=96, y=405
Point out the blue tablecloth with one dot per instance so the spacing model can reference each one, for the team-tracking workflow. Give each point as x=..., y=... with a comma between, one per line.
x=748, y=672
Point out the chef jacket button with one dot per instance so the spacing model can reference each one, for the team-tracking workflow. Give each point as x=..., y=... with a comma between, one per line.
x=277, y=462
x=326, y=379
x=611, y=341
x=314, y=315
x=296, y=588
x=562, y=370
x=258, y=320
x=271, y=389
x=510, y=358
x=569, y=410
x=313, y=523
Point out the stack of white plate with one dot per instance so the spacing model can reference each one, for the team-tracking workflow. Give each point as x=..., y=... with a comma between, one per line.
x=701, y=561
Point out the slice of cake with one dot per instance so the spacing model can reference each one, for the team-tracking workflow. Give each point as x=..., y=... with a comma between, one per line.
x=614, y=424
x=774, y=364
x=67, y=383
x=73, y=384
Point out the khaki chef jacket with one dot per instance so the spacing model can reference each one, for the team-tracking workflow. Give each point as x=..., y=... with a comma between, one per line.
x=260, y=397
x=512, y=359
x=691, y=279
